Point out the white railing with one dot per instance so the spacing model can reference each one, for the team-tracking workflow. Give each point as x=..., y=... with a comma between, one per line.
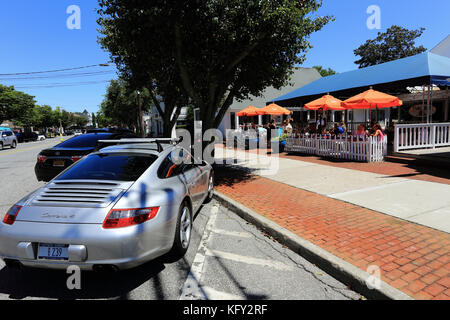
x=368, y=149
x=419, y=136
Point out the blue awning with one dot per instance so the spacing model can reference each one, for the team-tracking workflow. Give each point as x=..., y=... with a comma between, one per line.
x=433, y=67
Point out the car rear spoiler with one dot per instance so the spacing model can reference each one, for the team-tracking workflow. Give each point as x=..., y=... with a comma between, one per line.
x=159, y=142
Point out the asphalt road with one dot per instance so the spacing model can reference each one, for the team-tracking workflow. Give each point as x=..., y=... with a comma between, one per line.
x=228, y=259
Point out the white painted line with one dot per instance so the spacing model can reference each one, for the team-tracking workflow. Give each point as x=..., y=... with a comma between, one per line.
x=213, y=294
x=232, y=233
x=192, y=290
x=248, y=260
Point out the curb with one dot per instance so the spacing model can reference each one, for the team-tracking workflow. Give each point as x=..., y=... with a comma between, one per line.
x=340, y=269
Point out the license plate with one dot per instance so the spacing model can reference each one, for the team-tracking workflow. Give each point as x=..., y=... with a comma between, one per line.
x=53, y=251
x=58, y=163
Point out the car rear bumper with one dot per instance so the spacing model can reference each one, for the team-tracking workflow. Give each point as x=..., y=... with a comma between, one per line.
x=89, y=244
x=47, y=173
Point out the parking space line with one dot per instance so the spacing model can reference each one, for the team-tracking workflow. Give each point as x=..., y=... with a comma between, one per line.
x=248, y=260
x=214, y=294
x=192, y=289
x=232, y=233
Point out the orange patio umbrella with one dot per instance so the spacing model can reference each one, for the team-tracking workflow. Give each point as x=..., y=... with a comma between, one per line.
x=274, y=109
x=327, y=102
x=371, y=99
x=248, y=112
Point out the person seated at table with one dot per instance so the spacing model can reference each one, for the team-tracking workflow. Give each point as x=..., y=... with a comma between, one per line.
x=361, y=132
x=289, y=127
x=343, y=126
x=338, y=130
x=377, y=131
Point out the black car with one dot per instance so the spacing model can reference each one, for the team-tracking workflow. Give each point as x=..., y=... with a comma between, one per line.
x=26, y=136
x=114, y=130
x=51, y=162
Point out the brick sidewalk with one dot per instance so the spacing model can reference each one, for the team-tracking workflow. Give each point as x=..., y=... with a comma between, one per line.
x=413, y=258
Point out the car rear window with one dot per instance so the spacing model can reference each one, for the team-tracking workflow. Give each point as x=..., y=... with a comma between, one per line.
x=120, y=167
x=87, y=140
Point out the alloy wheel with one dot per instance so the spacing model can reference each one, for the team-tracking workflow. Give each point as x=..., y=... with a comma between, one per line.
x=185, y=228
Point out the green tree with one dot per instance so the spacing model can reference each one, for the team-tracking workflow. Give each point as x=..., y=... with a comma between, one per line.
x=15, y=105
x=214, y=51
x=80, y=121
x=120, y=105
x=395, y=43
x=102, y=120
x=67, y=119
x=324, y=72
x=94, y=120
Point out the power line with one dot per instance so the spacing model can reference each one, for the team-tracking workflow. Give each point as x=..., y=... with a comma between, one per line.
x=57, y=70
x=58, y=85
x=66, y=75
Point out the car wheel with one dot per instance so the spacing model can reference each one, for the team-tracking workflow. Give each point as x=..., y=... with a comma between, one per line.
x=210, y=188
x=13, y=144
x=1, y=145
x=183, y=232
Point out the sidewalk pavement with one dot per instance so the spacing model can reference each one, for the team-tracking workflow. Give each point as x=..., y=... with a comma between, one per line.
x=394, y=221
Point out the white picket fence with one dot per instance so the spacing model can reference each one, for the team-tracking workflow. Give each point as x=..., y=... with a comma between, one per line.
x=420, y=136
x=368, y=149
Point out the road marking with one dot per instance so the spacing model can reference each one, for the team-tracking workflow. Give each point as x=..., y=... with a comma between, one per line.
x=25, y=149
x=214, y=294
x=232, y=233
x=248, y=260
x=192, y=290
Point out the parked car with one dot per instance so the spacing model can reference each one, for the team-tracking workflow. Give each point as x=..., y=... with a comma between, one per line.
x=117, y=130
x=68, y=133
x=7, y=138
x=51, y=162
x=27, y=136
x=114, y=209
x=41, y=137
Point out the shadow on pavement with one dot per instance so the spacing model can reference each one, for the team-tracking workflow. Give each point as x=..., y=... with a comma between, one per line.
x=228, y=175
x=51, y=284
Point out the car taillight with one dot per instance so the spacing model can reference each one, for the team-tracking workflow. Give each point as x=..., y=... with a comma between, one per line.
x=120, y=218
x=11, y=215
x=76, y=158
x=41, y=158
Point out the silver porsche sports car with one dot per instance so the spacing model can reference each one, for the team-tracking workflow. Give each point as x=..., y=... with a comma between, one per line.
x=116, y=208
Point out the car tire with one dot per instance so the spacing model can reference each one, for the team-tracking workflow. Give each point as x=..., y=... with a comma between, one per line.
x=210, y=188
x=13, y=144
x=183, y=232
x=1, y=145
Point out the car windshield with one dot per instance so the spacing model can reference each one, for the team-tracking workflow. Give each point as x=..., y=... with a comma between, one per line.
x=88, y=140
x=113, y=166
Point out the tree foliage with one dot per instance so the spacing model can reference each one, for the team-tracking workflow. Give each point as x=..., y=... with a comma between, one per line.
x=14, y=105
x=120, y=106
x=395, y=43
x=324, y=72
x=208, y=52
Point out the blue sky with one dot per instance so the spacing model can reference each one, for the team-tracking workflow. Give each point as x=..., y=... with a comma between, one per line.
x=35, y=38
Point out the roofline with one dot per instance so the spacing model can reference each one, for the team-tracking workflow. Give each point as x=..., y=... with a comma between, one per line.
x=428, y=76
